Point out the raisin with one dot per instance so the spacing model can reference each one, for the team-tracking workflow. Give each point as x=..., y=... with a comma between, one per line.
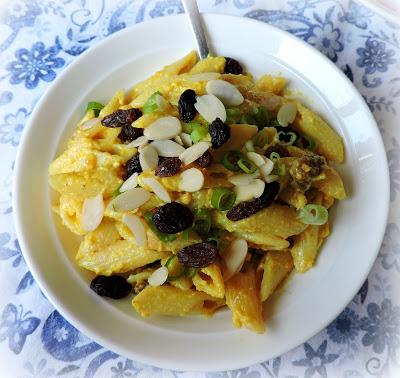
x=130, y=133
x=115, y=287
x=232, y=66
x=168, y=167
x=281, y=150
x=133, y=166
x=220, y=133
x=186, y=108
x=204, y=160
x=198, y=255
x=246, y=209
x=121, y=118
x=172, y=218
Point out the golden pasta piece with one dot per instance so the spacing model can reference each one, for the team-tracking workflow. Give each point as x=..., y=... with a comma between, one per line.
x=305, y=249
x=276, y=220
x=169, y=300
x=119, y=257
x=182, y=65
x=114, y=104
x=183, y=283
x=243, y=299
x=103, y=236
x=70, y=209
x=293, y=197
x=331, y=185
x=263, y=240
x=277, y=266
x=210, y=64
x=328, y=142
x=273, y=84
x=209, y=280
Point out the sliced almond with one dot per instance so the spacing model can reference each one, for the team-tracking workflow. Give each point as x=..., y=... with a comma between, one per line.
x=148, y=158
x=130, y=183
x=286, y=114
x=178, y=140
x=141, y=141
x=163, y=128
x=192, y=180
x=266, y=168
x=186, y=139
x=249, y=191
x=135, y=225
x=256, y=158
x=243, y=178
x=92, y=213
x=210, y=108
x=158, y=277
x=225, y=91
x=130, y=200
x=161, y=102
x=90, y=123
x=157, y=188
x=204, y=76
x=234, y=258
x=167, y=148
x=194, y=152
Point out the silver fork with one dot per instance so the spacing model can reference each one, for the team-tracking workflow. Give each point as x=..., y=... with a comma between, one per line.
x=192, y=11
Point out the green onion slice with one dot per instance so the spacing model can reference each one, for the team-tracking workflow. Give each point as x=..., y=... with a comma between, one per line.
x=96, y=106
x=262, y=117
x=223, y=199
x=190, y=126
x=231, y=159
x=311, y=145
x=198, y=133
x=278, y=138
x=249, y=146
x=116, y=192
x=247, y=166
x=202, y=222
x=274, y=157
x=316, y=215
x=185, y=234
x=281, y=171
x=169, y=261
x=190, y=273
x=163, y=237
x=150, y=105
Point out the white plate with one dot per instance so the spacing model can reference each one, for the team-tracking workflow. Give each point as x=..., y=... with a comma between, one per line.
x=388, y=9
x=308, y=302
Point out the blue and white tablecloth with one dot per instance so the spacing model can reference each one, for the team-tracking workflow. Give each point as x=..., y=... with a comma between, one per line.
x=39, y=38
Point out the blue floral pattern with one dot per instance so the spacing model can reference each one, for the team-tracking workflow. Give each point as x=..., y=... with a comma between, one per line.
x=40, y=38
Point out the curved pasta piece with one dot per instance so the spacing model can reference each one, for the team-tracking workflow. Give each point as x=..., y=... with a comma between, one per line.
x=210, y=64
x=277, y=266
x=243, y=299
x=331, y=185
x=273, y=84
x=276, y=220
x=114, y=104
x=263, y=240
x=70, y=210
x=169, y=300
x=209, y=280
x=305, y=249
x=328, y=142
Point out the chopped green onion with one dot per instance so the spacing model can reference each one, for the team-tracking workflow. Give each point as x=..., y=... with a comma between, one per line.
x=231, y=159
x=261, y=138
x=163, y=237
x=249, y=146
x=232, y=115
x=169, y=261
x=223, y=199
x=181, y=274
x=248, y=119
x=150, y=105
x=281, y=171
x=116, y=192
x=274, y=157
x=190, y=273
x=96, y=106
x=214, y=235
x=316, y=215
x=275, y=123
x=198, y=133
x=202, y=222
x=282, y=134
x=185, y=234
x=247, y=166
x=261, y=117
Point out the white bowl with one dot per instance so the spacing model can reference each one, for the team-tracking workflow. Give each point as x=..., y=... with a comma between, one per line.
x=309, y=301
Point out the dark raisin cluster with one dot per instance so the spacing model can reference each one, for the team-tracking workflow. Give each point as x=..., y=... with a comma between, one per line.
x=133, y=166
x=232, y=66
x=186, y=108
x=115, y=287
x=168, y=167
x=121, y=118
x=205, y=160
x=219, y=132
x=246, y=209
x=198, y=255
x=130, y=133
x=172, y=218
